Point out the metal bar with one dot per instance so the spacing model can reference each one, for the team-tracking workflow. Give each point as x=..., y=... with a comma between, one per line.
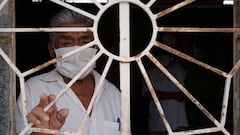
x=61, y=3
x=125, y=67
x=52, y=131
x=10, y=63
x=67, y=86
x=46, y=64
x=198, y=131
x=97, y=3
x=191, y=59
x=2, y=5
x=173, y=8
x=225, y=100
x=236, y=78
x=194, y=100
x=75, y=78
x=24, y=107
x=235, y=69
x=195, y=29
x=154, y=96
x=150, y=3
x=160, y=29
x=52, y=29
x=124, y=20
x=98, y=88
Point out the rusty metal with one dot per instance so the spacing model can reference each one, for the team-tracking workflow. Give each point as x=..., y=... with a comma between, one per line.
x=173, y=8
x=225, y=99
x=235, y=69
x=2, y=5
x=184, y=90
x=154, y=96
x=191, y=59
x=66, y=88
x=124, y=48
x=53, y=29
x=124, y=60
x=194, y=29
x=10, y=62
x=236, y=78
x=50, y=62
x=5, y=39
x=96, y=92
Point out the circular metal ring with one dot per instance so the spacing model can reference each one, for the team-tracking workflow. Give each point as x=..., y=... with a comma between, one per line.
x=151, y=42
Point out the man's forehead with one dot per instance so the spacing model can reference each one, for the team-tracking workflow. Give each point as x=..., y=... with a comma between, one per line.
x=74, y=33
x=75, y=25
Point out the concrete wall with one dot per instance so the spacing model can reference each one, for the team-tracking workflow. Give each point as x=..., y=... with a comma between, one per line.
x=7, y=79
x=236, y=81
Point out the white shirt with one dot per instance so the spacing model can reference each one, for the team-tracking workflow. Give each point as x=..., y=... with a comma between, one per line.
x=174, y=110
x=104, y=119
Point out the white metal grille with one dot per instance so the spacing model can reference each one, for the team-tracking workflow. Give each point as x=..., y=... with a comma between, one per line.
x=125, y=59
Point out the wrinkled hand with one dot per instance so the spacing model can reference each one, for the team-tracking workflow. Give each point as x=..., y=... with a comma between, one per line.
x=51, y=119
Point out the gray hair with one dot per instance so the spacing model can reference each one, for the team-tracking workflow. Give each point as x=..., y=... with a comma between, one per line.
x=67, y=16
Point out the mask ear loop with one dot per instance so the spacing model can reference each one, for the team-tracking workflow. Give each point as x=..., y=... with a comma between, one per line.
x=55, y=64
x=96, y=47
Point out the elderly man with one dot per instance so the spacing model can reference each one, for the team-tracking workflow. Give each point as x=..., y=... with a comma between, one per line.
x=70, y=109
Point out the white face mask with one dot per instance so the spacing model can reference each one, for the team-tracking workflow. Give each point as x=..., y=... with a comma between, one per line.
x=71, y=65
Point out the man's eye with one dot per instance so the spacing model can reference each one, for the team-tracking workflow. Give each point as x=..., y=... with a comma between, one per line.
x=85, y=41
x=67, y=43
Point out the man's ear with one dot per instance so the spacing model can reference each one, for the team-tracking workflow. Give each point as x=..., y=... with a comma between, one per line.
x=51, y=50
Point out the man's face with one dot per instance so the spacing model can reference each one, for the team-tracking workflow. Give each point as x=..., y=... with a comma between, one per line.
x=68, y=39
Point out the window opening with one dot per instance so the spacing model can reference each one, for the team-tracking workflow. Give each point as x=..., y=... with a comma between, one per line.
x=125, y=59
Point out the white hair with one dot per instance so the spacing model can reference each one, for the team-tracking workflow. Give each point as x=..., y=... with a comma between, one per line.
x=67, y=16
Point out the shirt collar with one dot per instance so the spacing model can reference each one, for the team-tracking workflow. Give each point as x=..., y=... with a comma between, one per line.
x=51, y=76
x=55, y=76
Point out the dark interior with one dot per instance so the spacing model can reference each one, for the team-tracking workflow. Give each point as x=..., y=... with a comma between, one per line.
x=214, y=49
